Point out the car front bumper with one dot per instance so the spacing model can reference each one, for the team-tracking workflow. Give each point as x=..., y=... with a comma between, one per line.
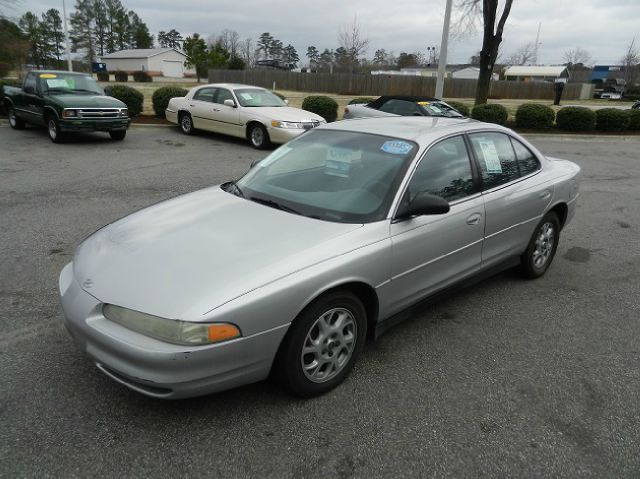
x=283, y=135
x=160, y=369
x=111, y=124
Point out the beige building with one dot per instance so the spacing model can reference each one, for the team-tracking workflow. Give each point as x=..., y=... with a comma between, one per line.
x=167, y=62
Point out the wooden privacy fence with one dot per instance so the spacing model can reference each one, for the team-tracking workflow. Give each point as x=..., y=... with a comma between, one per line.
x=375, y=85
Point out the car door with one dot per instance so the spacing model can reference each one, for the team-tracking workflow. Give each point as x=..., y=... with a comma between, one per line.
x=514, y=199
x=227, y=117
x=202, y=109
x=433, y=251
x=32, y=103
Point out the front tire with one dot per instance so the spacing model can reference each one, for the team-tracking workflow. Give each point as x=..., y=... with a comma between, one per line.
x=186, y=123
x=118, y=135
x=258, y=136
x=15, y=122
x=322, y=345
x=542, y=247
x=53, y=128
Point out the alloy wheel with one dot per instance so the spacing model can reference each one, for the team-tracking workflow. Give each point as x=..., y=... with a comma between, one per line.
x=544, y=243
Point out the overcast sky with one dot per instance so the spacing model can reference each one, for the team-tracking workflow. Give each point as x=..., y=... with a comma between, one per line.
x=603, y=28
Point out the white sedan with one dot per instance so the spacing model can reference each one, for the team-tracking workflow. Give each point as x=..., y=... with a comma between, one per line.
x=240, y=110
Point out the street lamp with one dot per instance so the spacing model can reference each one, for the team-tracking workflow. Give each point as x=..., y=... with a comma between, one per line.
x=442, y=61
x=66, y=37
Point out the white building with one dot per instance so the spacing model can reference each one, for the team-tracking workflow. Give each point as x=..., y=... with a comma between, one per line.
x=167, y=62
x=470, y=73
x=535, y=73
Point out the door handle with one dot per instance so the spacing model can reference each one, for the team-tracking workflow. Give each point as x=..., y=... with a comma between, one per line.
x=474, y=219
x=192, y=106
x=216, y=109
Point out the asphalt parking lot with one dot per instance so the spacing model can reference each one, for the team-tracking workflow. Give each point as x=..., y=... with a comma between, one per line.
x=509, y=378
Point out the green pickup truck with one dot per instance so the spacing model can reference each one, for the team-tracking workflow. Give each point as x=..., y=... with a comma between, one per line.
x=65, y=102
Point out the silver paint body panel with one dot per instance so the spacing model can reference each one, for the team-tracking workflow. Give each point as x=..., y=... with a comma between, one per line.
x=211, y=256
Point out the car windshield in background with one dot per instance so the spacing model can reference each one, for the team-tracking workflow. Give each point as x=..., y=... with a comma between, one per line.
x=257, y=97
x=338, y=176
x=61, y=83
x=437, y=108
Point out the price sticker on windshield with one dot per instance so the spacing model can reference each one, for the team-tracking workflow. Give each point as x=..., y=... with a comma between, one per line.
x=339, y=161
x=57, y=83
x=48, y=75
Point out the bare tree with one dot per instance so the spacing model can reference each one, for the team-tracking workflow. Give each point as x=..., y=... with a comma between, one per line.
x=523, y=55
x=576, y=55
x=230, y=40
x=493, y=26
x=248, y=52
x=355, y=45
x=631, y=63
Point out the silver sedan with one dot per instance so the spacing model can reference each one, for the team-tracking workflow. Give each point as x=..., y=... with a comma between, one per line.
x=329, y=239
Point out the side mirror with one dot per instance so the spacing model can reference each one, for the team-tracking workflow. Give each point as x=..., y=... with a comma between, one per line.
x=287, y=102
x=255, y=162
x=425, y=204
x=30, y=90
x=230, y=103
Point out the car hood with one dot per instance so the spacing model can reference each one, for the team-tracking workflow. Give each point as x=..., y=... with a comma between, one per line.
x=282, y=113
x=184, y=257
x=87, y=101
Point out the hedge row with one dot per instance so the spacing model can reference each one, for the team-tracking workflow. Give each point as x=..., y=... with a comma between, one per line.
x=571, y=118
x=129, y=96
x=120, y=76
x=321, y=105
x=161, y=97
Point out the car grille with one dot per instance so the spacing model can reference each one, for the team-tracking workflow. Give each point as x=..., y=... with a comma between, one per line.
x=307, y=125
x=99, y=113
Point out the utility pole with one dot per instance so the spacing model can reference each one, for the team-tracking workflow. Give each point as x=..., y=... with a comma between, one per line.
x=66, y=37
x=535, y=51
x=442, y=62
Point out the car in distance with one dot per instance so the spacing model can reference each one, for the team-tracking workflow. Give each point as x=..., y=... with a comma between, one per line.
x=330, y=237
x=243, y=111
x=65, y=102
x=401, y=105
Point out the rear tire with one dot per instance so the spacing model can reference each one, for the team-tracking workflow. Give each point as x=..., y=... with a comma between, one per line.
x=53, y=128
x=543, y=244
x=186, y=123
x=15, y=122
x=118, y=135
x=322, y=345
x=258, y=136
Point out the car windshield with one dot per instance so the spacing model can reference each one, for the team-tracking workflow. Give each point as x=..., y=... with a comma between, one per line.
x=258, y=97
x=338, y=176
x=76, y=84
x=439, y=108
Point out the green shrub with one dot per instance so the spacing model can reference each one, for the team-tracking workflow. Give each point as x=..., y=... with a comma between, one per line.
x=279, y=95
x=576, y=118
x=361, y=99
x=492, y=113
x=161, y=97
x=634, y=120
x=129, y=96
x=461, y=107
x=141, y=77
x=324, y=106
x=103, y=76
x=121, y=76
x=534, y=115
x=236, y=63
x=612, y=119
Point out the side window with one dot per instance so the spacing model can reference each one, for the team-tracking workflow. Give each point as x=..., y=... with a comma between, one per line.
x=444, y=171
x=527, y=161
x=204, y=94
x=222, y=95
x=496, y=158
x=30, y=81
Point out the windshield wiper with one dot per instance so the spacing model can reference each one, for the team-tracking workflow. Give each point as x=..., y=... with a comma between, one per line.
x=275, y=204
x=236, y=189
x=84, y=90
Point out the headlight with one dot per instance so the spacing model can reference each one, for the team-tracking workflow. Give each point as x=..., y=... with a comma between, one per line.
x=287, y=124
x=124, y=112
x=171, y=330
x=70, y=114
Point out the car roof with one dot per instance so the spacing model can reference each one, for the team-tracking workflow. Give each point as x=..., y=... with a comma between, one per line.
x=230, y=86
x=422, y=130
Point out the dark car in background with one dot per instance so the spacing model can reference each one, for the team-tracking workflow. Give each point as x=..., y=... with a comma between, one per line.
x=65, y=102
